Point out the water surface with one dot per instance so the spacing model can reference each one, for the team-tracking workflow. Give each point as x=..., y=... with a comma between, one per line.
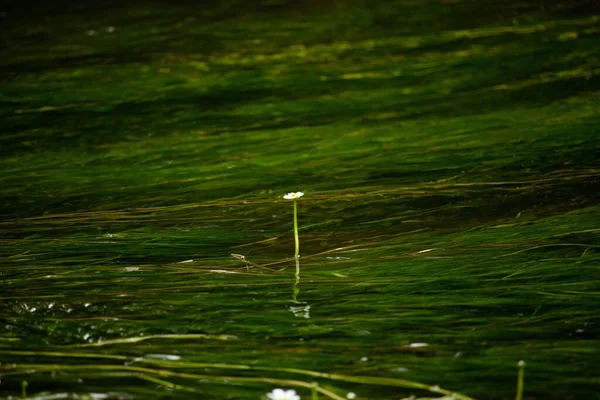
x=448, y=151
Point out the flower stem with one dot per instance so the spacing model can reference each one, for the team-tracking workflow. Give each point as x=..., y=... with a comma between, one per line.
x=520, y=380
x=296, y=229
x=314, y=393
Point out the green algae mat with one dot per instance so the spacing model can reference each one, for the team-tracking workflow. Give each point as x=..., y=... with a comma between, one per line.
x=448, y=152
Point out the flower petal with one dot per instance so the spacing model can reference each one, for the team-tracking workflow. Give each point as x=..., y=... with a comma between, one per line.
x=293, y=196
x=290, y=395
x=277, y=394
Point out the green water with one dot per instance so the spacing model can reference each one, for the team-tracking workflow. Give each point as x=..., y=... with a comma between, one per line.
x=449, y=156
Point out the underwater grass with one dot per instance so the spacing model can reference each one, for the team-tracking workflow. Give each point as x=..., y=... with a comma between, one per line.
x=452, y=166
x=143, y=372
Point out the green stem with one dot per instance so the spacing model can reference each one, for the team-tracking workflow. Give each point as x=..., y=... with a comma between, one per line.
x=314, y=394
x=296, y=229
x=521, y=380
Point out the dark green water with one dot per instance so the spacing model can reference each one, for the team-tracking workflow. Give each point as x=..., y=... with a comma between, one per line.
x=449, y=155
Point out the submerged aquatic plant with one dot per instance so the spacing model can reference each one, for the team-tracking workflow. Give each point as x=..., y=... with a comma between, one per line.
x=295, y=196
x=280, y=394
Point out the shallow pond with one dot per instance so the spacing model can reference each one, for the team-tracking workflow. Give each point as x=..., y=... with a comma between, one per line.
x=449, y=228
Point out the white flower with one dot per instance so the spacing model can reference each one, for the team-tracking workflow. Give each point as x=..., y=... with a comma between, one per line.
x=293, y=196
x=351, y=395
x=280, y=394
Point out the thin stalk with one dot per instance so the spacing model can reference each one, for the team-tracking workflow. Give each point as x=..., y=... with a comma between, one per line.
x=296, y=230
x=314, y=393
x=520, y=380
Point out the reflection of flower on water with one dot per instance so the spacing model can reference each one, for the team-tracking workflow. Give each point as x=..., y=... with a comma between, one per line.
x=280, y=394
x=302, y=310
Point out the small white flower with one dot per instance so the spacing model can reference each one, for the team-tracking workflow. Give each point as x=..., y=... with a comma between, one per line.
x=351, y=395
x=280, y=394
x=110, y=29
x=293, y=196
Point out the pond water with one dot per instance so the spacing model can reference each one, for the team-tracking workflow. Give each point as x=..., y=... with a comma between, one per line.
x=449, y=157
